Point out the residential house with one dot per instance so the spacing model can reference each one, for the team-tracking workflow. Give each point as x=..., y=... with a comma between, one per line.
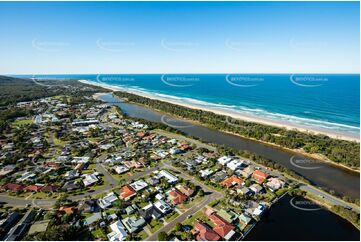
x=71, y=174
x=152, y=181
x=7, y=170
x=224, y=160
x=49, y=188
x=120, y=169
x=244, y=220
x=139, y=185
x=256, y=188
x=132, y=164
x=232, y=181
x=235, y=164
x=170, y=178
x=219, y=176
x=131, y=209
x=88, y=206
x=33, y=188
x=26, y=176
x=175, y=151
x=71, y=185
x=228, y=215
x=83, y=159
x=133, y=224
x=67, y=210
x=244, y=191
x=118, y=233
x=127, y=192
x=206, y=172
x=162, y=206
x=222, y=227
x=108, y=200
x=246, y=172
x=205, y=233
x=112, y=217
x=259, y=211
x=275, y=183
x=176, y=197
x=150, y=212
x=259, y=176
x=185, y=190
x=90, y=179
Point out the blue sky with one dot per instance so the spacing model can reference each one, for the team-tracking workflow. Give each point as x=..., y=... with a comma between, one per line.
x=179, y=37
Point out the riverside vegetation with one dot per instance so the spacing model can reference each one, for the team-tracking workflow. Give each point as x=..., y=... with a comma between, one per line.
x=340, y=151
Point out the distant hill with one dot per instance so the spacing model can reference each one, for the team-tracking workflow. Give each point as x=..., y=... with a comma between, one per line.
x=13, y=90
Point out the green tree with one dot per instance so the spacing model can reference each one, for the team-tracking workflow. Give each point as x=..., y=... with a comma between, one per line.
x=162, y=236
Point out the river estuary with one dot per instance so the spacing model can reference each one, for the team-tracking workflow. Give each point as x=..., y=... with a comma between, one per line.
x=283, y=221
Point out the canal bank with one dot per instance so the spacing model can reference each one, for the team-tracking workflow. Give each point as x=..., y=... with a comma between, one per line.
x=288, y=220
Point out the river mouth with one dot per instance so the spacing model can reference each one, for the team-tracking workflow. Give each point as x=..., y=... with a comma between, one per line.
x=339, y=181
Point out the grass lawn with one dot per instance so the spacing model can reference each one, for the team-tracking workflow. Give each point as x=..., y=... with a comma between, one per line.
x=142, y=235
x=96, y=187
x=120, y=177
x=198, y=215
x=58, y=142
x=98, y=233
x=89, y=169
x=40, y=195
x=171, y=216
x=155, y=225
x=195, y=200
x=22, y=122
x=281, y=191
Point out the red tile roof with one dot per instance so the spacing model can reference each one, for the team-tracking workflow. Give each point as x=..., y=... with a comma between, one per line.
x=185, y=190
x=222, y=227
x=259, y=176
x=33, y=188
x=67, y=210
x=176, y=196
x=51, y=164
x=127, y=192
x=205, y=233
x=13, y=187
x=231, y=181
x=49, y=188
x=140, y=134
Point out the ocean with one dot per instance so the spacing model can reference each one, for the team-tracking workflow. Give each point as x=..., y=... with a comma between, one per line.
x=324, y=102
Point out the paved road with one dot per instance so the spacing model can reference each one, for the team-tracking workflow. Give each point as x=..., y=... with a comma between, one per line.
x=211, y=196
x=101, y=169
x=328, y=198
x=22, y=202
x=208, y=198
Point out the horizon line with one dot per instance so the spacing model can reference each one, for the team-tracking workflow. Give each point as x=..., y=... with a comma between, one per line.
x=194, y=73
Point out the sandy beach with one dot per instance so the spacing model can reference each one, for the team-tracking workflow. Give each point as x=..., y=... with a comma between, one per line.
x=218, y=110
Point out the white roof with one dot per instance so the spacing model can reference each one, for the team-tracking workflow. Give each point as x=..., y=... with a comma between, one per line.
x=107, y=200
x=224, y=160
x=162, y=206
x=83, y=159
x=89, y=179
x=121, y=169
x=206, y=172
x=171, y=178
x=234, y=164
x=118, y=232
x=139, y=185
